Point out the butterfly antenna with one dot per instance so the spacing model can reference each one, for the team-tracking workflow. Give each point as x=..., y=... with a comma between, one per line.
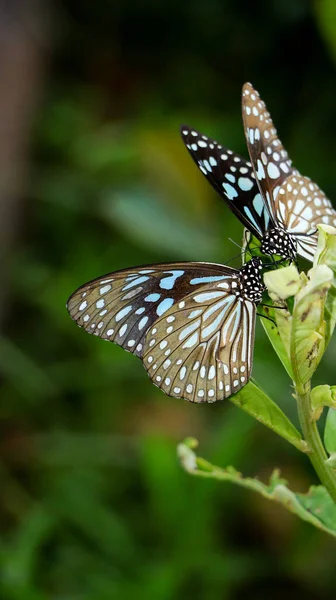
x=307, y=234
x=240, y=254
x=235, y=243
x=242, y=250
x=233, y=258
x=248, y=247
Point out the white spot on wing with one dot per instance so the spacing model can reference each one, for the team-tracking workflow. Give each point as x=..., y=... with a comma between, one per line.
x=105, y=289
x=230, y=191
x=123, y=312
x=164, y=306
x=245, y=184
x=273, y=170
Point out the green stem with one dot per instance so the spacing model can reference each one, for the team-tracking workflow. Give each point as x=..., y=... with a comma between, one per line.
x=311, y=435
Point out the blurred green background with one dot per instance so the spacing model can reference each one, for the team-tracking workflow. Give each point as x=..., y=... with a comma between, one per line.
x=93, y=178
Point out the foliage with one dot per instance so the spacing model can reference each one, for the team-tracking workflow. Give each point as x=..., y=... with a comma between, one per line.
x=315, y=507
x=302, y=334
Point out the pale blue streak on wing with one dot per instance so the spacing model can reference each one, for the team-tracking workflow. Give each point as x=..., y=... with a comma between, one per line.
x=260, y=208
x=136, y=282
x=123, y=312
x=258, y=204
x=164, y=306
x=152, y=297
x=197, y=280
x=266, y=217
x=167, y=283
x=251, y=218
x=230, y=191
x=212, y=328
x=235, y=327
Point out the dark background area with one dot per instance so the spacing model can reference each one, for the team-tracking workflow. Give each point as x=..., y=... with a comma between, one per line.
x=93, y=178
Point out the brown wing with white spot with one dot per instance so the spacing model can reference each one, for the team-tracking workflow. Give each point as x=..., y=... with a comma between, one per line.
x=300, y=206
x=268, y=156
x=202, y=348
x=122, y=306
x=190, y=323
x=294, y=201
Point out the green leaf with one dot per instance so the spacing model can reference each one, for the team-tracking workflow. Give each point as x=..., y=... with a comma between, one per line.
x=281, y=284
x=269, y=323
x=330, y=431
x=321, y=396
x=326, y=247
x=326, y=255
x=257, y=404
x=331, y=462
x=316, y=507
x=308, y=325
x=278, y=332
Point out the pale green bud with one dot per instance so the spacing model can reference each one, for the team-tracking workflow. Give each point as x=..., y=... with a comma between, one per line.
x=284, y=282
x=308, y=325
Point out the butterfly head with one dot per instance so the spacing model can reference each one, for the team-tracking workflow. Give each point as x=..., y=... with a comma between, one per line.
x=280, y=242
x=251, y=284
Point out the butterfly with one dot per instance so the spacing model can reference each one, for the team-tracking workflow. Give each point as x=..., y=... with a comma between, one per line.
x=191, y=324
x=276, y=204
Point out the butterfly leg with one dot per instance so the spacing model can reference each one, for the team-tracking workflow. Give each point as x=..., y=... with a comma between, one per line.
x=306, y=234
x=271, y=306
x=268, y=318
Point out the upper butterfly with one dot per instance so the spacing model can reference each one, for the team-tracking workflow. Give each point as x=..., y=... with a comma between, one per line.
x=275, y=203
x=192, y=324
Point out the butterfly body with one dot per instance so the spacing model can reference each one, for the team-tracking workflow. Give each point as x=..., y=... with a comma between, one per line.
x=273, y=200
x=191, y=324
x=280, y=242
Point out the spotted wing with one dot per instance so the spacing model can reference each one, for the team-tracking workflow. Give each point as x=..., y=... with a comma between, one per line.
x=300, y=206
x=202, y=348
x=269, y=158
x=232, y=177
x=187, y=322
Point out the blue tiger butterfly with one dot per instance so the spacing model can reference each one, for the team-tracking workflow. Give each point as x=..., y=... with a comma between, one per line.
x=275, y=203
x=191, y=324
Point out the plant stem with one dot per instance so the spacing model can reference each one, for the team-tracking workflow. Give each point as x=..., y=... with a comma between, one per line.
x=311, y=435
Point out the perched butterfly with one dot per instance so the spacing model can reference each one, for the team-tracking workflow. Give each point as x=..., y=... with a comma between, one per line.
x=275, y=203
x=192, y=324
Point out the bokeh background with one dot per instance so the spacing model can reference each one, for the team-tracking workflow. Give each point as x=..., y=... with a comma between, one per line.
x=94, y=177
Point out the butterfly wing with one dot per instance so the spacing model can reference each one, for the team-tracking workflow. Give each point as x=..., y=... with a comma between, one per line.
x=300, y=206
x=295, y=202
x=201, y=349
x=187, y=322
x=269, y=158
x=232, y=177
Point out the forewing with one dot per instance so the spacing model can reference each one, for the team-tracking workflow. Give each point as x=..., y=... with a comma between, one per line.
x=186, y=322
x=268, y=156
x=300, y=206
x=232, y=177
x=202, y=349
x=122, y=306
